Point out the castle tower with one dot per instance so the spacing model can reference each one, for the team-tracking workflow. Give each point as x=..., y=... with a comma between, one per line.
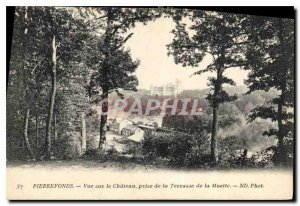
x=178, y=87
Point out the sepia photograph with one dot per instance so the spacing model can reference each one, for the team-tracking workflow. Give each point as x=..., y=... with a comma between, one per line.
x=149, y=103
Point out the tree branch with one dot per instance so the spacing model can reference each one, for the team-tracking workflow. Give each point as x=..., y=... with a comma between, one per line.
x=37, y=64
x=124, y=41
x=236, y=65
x=101, y=17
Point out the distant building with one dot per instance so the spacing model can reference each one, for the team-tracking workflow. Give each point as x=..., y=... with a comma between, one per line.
x=129, y=130
x=133, y=133
x=155, y=90
x=147, y=128
x=117, y=126
x=126, y=129
x=169, y=89
x=138, y=135
x=155, y=121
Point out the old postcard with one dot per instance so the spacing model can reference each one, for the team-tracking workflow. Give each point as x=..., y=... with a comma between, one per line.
x=161, y=103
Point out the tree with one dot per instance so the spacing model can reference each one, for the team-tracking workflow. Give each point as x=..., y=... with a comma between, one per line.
x=47, y=68
x=112, y=65
x=64, y=34
x=270, y=56
x=26, y=82
x=214, y=34
x=83, y=133
x=24, y=67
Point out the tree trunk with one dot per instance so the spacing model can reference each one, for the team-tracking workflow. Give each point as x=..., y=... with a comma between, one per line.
x=244, y=157
x=55, y=130
x=52, y=99
x=214, y=137
x=83, y=134
x=103, y=120
x=105, y=89
x=25, y=133
x=36, y=130
x=25, y=141
x=281, y=151
x=214, y=132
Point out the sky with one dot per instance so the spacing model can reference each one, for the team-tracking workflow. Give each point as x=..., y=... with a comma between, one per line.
x=148, y=44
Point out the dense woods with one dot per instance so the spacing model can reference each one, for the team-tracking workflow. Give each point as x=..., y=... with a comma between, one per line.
x=66, y=61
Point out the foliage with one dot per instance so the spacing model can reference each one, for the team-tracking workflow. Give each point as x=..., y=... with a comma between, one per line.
x=67, y=147
x=133, y=148
x=212, y=34
x=271, y=64
x=187, y=124
x=112, y=151
x=181, y=150
x=51, y=90
x=30, y=78
x=112, y=68
x=95, y=154
x=219, y=36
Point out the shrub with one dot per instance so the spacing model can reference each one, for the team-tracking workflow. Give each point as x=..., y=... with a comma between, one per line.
x=95, y=154
x=92, y=141
x=112, y=151
x=133, y=148
x=68, y=146
x=181, y=150
x=261, y=159
x=233, y=154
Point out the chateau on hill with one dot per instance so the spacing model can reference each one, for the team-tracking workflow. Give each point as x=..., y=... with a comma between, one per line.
x=169, y=89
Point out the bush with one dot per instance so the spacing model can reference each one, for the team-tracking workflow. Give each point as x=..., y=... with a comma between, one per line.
x=112, y=151
x=261, y=159
x=181, y=150
x=95, y=154
x=133, y=148
x=233, y=154
x=68, y=147
x=92, y=141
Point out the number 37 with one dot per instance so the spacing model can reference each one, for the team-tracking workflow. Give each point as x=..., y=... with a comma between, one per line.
x=19, y=187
